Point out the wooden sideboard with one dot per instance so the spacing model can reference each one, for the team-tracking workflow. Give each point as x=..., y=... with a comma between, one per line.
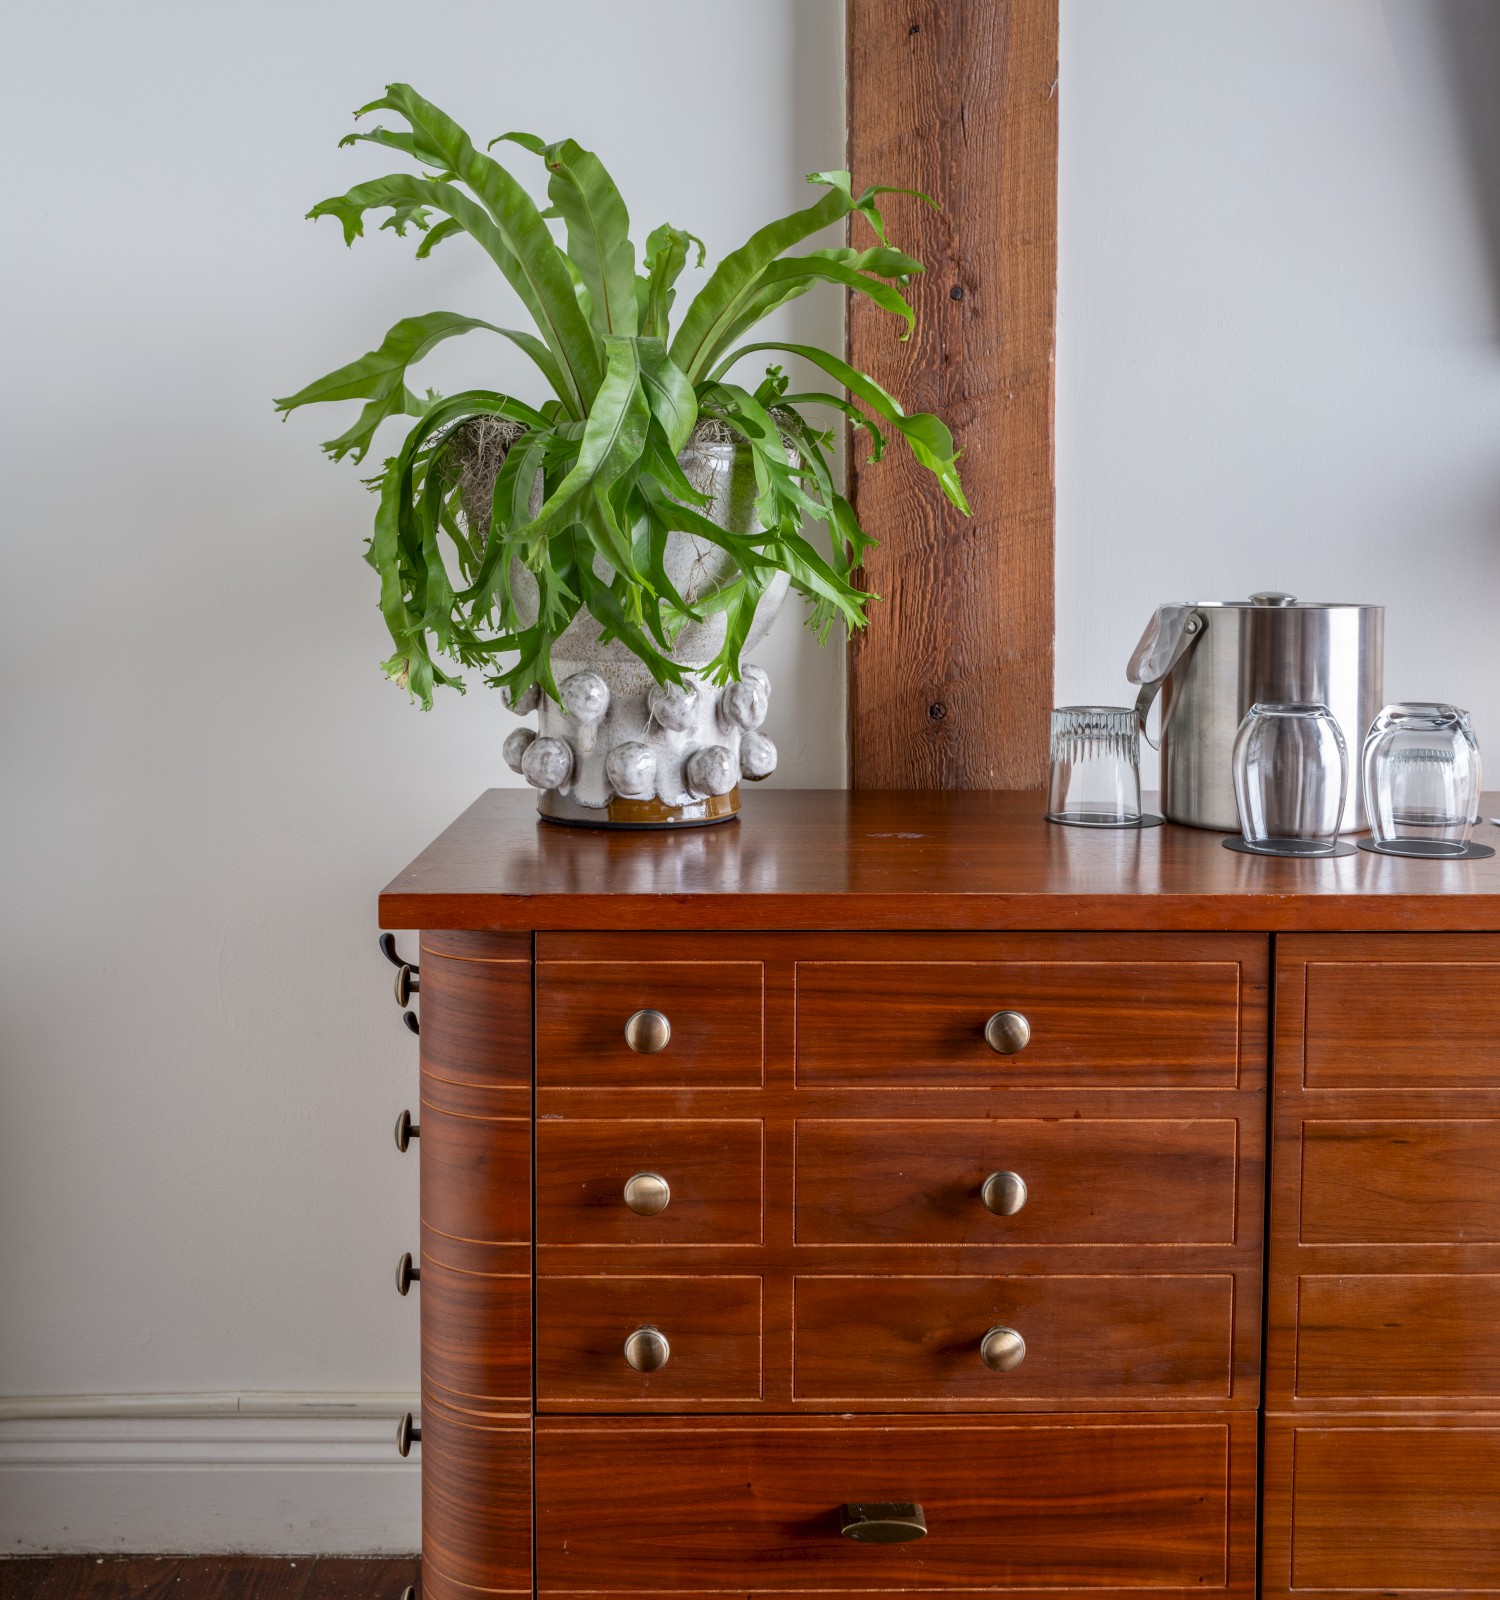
x=890, y=1161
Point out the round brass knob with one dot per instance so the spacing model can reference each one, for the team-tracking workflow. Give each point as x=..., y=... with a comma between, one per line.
x=1007, y=1033
x=1004, y=1193
x=408, y=983
x=647, y=1349
x=1002, y=1349
x=647, y=1193
x=646, y=1032
x=406, y=1131
x=407, y=1434
x=406, y=1273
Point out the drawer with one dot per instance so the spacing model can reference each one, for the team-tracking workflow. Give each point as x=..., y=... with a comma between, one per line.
x=1092, y=1337
x=714, y=1009
x=476, y=1333
x=712, y=1326
x=1401, y=1181
x=1093, y=1024
x=1401, y=1336
x=626, y=1508
x=473, y=1176
x=1382, y=1509
x=1138, y=1181
x=476, y=1503
x=1403, y=1024
x=712, y=1169
x=476, y=1016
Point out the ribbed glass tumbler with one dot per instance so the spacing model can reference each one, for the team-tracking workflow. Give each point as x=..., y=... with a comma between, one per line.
x=1096, y=767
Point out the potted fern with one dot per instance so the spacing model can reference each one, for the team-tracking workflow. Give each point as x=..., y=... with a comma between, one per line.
x=608, y=550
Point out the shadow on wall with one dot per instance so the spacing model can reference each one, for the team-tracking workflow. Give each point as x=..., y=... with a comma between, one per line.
x=1469, y=34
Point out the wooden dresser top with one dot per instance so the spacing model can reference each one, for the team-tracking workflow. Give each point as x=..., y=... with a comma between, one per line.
x=829, y=858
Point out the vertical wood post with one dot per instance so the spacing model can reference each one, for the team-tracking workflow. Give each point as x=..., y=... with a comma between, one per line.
x=950, y=685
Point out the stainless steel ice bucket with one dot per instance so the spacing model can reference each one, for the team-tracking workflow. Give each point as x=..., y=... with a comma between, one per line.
x=1211, y=660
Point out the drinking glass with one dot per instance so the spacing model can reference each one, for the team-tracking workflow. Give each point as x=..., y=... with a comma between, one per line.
x=1422, y=779
x=1291, y=775
x=1096, y=767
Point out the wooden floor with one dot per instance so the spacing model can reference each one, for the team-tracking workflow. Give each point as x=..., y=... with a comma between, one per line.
x=204, y=1578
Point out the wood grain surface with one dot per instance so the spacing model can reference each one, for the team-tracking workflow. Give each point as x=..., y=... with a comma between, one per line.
x=474, y=1176
x=1089, y=1129
x=950, y=685
x=1072, y=1505
x=832, y=859
x=92, y=1577
x=1088, y=1338
x=711, y=1322
x=1096, y=1016
x=476, y=1502
x=1396, y=1509
x=1384, y=1257
x=713, y=1007
x=1394, y=1024
x=1401, y=1180
x=477, y=1266
x=713, y=1167
x=1379, y=1336
x=1100, y=1181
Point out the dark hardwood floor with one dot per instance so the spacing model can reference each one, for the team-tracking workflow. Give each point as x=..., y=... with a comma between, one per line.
x=205, y=1578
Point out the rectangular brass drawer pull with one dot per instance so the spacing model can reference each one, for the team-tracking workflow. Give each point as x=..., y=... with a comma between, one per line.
x=883, y=1522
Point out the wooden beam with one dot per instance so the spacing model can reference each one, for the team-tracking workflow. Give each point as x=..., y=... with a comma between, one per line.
x=951, y=684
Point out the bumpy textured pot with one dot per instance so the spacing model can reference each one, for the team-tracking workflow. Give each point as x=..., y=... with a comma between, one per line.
x=624, y=751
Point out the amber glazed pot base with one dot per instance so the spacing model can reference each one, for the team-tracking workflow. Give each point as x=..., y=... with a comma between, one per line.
x=653, y=813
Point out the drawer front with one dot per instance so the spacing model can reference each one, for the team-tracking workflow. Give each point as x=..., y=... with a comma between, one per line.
x=476, y=1334
x=1086, y=1181
x=714, y=1010
x=474, y=1176
x=1384, y=1510
x=476, y=1503
x=1086, y=1338
x=476, y=1016
x=1402, y=1336
x=1403, y=1024
x=1094, y=1024
x=712, y=1167
x=628, y=1509
x=712, y=1326
x=1406, y=1181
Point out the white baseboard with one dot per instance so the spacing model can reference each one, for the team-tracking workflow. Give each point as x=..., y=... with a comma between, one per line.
x=207, y=1474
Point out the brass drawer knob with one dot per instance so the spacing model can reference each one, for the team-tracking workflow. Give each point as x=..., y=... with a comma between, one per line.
x=408, y=974
x=1002, y=1349
x=883, y=1522
x=406, y=1131
x=1007, y=1033
x=646, y=1032
x=407, y=1434
x=1004, y=1193
x=647, y=1350
x=408, y=983
x=647, y=1193
x=406, y=1273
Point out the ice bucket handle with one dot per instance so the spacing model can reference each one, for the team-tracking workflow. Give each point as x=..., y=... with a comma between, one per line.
x=1171, y=633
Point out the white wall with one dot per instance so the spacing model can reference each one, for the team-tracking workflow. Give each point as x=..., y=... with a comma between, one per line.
x=1278, y=364
x=205, y=778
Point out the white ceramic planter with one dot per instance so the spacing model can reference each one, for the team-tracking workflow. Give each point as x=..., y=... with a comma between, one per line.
x=622, y=750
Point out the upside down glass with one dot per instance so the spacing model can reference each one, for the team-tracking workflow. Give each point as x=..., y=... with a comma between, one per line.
x=1291, y=776
x=1422, y=778
x=1096, y=767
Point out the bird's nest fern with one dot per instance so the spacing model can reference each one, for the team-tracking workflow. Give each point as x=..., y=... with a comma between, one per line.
x=585, y=487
